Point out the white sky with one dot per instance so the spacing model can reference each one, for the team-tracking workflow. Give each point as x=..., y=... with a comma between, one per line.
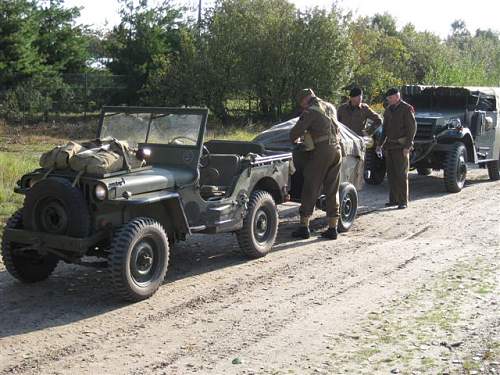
x=432, y=15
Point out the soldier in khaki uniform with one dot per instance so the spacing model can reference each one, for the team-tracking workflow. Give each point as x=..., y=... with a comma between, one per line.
x=319, y=122
x=399, y=128
x=354, y=113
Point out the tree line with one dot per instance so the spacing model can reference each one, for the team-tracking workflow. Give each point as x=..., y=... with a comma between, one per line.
x=251, y=53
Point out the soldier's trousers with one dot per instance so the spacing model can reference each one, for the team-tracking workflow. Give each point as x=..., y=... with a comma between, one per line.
x=322, y=170
x=397, y=173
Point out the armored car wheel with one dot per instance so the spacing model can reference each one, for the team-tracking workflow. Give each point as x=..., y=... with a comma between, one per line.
x=348, y=197
x=494, y=170
x=455, y=169
x=139, y=259
x=260, y=225
x=375, y=168
x=28, y=266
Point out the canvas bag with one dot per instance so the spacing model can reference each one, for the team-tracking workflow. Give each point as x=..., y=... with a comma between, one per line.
x=59, y=156
x=97, y=161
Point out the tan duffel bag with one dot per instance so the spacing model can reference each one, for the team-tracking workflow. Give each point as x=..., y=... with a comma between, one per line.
x=58, y=157
x=96, y=162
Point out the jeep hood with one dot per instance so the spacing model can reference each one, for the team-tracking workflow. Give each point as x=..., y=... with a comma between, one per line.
x=144, y=181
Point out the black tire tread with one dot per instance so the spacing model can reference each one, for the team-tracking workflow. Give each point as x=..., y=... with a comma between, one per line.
x=120, y=242
x=494, y=170
x=244, y=235
x=16, y=222
x=450, y=168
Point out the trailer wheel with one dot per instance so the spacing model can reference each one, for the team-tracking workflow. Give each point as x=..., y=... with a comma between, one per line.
x=375, y=168
x=28, y=267
x=260, y=225
x=494, y=170
x=348, y=197
x=455, y=170
x=139, y=259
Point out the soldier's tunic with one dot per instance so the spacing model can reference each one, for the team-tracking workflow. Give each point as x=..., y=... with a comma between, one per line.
x=399, y=128
x=322, y=168
x=355, y=117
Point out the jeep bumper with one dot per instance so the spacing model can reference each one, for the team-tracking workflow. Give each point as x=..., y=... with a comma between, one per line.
x=40, y=240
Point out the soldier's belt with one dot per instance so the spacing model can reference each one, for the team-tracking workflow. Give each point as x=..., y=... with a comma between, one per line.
x=399, y=141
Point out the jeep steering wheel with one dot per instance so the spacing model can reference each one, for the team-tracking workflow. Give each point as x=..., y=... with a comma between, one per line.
x=205, y=155
x=182, y=137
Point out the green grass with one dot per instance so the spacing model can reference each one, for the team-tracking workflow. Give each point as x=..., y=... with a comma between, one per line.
x=12, y=166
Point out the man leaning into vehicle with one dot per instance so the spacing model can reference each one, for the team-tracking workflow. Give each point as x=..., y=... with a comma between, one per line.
x=322, y=169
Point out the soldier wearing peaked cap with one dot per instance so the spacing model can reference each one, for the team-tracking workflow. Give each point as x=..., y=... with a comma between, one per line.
x=322, y=169
x=399, y=128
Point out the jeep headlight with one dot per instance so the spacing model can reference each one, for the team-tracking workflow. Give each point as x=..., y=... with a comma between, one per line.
x=100, y=192
x=454, y=123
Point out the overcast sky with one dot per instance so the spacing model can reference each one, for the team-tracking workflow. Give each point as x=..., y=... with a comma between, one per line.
x=432, y=15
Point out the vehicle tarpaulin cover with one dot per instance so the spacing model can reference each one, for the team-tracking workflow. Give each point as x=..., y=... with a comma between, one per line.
x=277, y=138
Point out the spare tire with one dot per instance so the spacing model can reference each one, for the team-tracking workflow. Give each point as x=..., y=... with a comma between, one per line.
x=54, y=206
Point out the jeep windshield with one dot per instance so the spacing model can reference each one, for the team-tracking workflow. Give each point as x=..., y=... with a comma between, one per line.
x=179, y=127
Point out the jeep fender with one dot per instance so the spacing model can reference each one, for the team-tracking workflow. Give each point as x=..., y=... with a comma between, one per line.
x=166, y=207
x=463, y=135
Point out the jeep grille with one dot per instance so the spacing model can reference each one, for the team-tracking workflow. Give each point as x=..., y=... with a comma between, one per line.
x=424, y=131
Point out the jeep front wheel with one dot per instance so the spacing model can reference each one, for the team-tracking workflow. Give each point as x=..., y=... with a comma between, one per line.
x=139, y=259
x=260, y=225
x=455, y=169
x=27, y=266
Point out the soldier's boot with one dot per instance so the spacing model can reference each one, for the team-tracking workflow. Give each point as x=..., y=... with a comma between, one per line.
x=303, y=231
x=331, y=233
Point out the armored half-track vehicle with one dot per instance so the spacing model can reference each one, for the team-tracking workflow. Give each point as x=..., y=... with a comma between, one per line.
x=455, y=126
x=130, y=217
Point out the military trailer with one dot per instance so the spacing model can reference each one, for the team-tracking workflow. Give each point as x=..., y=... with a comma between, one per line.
x=455, y=126
x=131, y=217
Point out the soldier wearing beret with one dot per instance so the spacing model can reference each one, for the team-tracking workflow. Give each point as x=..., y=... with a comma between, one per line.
x=399, y=127
x=354, y=113
x=322, y=169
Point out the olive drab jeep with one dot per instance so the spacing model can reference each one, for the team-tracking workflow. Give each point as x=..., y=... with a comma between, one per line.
x=455, y=126
x=129, y=215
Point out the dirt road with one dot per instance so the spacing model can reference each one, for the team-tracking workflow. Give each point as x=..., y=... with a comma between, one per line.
x=412, y=291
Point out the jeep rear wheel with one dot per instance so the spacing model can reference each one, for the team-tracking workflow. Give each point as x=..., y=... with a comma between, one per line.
x=494, y=170
x=375, y=168
x=139, y=259
x=28, y=266
x=348, y=197
x=455, y=169
x=260, y=225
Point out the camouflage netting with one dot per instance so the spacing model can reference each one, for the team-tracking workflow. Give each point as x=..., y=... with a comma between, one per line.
x=97, y=157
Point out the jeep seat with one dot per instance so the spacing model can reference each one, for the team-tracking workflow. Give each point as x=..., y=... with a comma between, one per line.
x=234, y=147
x=219, y=174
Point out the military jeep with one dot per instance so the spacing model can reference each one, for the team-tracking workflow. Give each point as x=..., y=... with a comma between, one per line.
x=455, y=126
x=127, y=220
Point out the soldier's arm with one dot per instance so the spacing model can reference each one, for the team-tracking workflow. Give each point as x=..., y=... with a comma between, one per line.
x=411, y=128
x=339, y=114
x=301, y=126
x=381, y=140
x=374, y=116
